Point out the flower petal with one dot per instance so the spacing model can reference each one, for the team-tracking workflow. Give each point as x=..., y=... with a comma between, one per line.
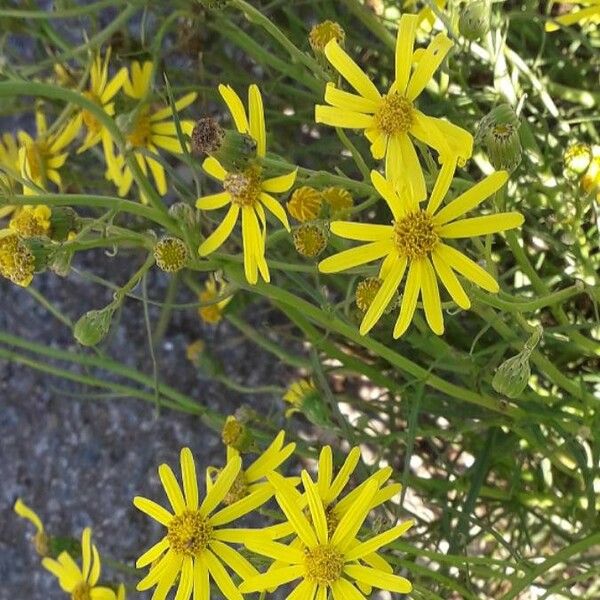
x=481, y=225
x=275, y=208
x=409, y=298
x=356, y=256
x=221, y=233
x=221, y=486
x=213, y=201
x=405, y=41
x=430, y=61
x=257, y=119
x=280, y=184
x=468, y=268
x=379, y=579
x=236, y=107
x=154, y=510
x=450, y=281
x=338, y=117
x=348, y=101
x=361, y=232
x=430, y=295
x=190, y=480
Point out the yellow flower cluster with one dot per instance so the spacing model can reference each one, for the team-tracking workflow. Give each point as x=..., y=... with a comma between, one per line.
x=319, y=543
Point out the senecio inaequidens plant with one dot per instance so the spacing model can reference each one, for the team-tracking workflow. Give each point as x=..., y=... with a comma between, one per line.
x=414, y=188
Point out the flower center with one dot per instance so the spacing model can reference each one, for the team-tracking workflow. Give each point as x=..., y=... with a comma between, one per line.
x=140, y=133
x=189, y=533
x=323, y=564
x=415, y=235
x=395, y=114
x=244, y=186
x=81, y=592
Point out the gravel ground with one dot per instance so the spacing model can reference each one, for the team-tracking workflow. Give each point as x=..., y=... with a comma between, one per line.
x=80, y=462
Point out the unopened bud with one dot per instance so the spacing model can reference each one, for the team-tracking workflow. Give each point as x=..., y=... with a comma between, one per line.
x=305, y=204
x=63, y=222
x=93, y=326
x=474, y=20
x=366, y=291
x=310, y=239
x=503, y=145
x=171, y=254
x=322, y=33
x=338, y=200
x=184, y=213
x=236, y=434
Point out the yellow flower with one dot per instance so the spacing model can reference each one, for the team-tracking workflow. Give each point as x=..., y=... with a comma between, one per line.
x=415, y=242
x=150, y=129
x=426, y=16
x=41, y=157
x=31, y=221
x=195, y=545
x=40, y=539
x=582, y=11
x=100, y=90
x=17, y=262
x=297, y=392
x=254, y=478
x=80, y=582
x=325, y=558
x=246, y=192
x=391, y=121
x=213, y=304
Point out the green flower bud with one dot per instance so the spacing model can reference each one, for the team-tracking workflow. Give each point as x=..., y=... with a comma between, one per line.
x=61, y=262
x=314, y=409
x=232, y=149
x=64, y=221
x=512, y=376
x=184, y=213
x=93, y=326
x=474, y=21
x=503, y=145
x=237, y=435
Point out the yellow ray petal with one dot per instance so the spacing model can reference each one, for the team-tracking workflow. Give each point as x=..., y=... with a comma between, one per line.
x=315, y=506
x=430, y=61
x=154, y=510
x=221, y=486
x=361, y=232
x=425, y=129
x=280, y=184
x=235, y=106
x=221, y=577
x=356, y=256
x=250, y=242
x=348, y=101
x=412, y=168
x=388, y=193
x=472, y=197
x=257, y=119
x=190, y=481
x=380, y=540
x=325, y=472
x=379, y=579
x=450, y=281
x=342, y=589
x=351, y=72
x=481, y=225
x=214, y=168
x=180, y=104
x=272, y=579
x=153, y=553
x=468, y=268
x=275, y=209
x=409, y=298
x=430, y=295
x=343, y=476
x=213, y=201
x=405, y=41
x=442, y=185
x=221, y=233
x=338, y=117
x=384, y=295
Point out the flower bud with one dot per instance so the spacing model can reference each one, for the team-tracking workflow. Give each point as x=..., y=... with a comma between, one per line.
x=63, y=222
x=512, y=376
x=184, y=213
x=92, y=327
x=338, y=200
x=305, y=204
x=236, y=434
x=503, y=145
x=171, y=254
x=577, y=158
x=366, y=291
x=322, y=33
x=310, y=239
x=474, y=20
x=234, y=150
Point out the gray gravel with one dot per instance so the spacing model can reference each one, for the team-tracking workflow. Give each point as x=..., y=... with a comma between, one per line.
x=79, y=462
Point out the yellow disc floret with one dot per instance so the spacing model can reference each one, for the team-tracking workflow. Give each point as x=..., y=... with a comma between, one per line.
x=395, y=114
x=322, y=33
x=140, y=133
x=244, y=186
x=324, y=564
x=17, y=262
x=31, y=221
x=189, y=533
x=81, y=592
x=171, y=254
x=415, y=235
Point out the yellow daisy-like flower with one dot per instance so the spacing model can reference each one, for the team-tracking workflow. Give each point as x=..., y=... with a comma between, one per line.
x=325, y=560
x=415, y=242
x=254, y=478
x=40, y=539
x=40, y=158
x=152, y=128
x=391, y=121
x=212, y=311
x=80, y=582
x=246, y=192
x=100, y=90
x=31, y=221
x=582, y=11
x=196, y=543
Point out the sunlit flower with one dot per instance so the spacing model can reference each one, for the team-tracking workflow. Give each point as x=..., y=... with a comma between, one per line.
x=212, y=300
x=101, y=91
x=414, y=242
x=254, y=478
x=325, y=558
x=41, y=157
x=40, y=539
x=391, y=121
x=80, y=582
x=196, y=544
x=31, y=221
x=246, y=192
x=581, y=11
x=149, y=129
